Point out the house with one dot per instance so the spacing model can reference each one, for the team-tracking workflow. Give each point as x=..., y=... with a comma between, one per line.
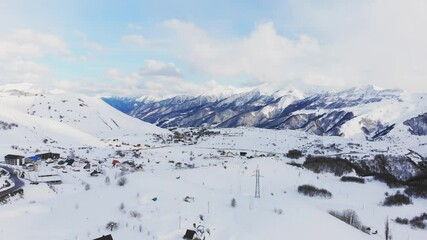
x=107, y=237
x=48, y=155
x=87, y=166
x=14, y=159
x=32, y=159
x=190, y=234
x=114, y=162
x=45, y=177
x=69, y=162
x=94, y=173
x=243, y=154
x=229, y=154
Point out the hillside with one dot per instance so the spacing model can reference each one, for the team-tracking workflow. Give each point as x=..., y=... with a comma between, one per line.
x=34, y=117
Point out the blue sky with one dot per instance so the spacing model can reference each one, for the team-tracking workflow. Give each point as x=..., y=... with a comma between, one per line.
x=163, y=48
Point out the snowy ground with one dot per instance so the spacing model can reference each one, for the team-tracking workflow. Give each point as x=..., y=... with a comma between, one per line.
x=87, y=129
x=70, y=211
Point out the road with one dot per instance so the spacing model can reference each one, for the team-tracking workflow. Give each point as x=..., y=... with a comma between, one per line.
x=18, y=182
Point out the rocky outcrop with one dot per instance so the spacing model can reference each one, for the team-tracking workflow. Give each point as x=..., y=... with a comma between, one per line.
x=417, y=125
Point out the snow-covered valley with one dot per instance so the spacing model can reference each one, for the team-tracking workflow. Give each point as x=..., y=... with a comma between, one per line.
x=134, y=180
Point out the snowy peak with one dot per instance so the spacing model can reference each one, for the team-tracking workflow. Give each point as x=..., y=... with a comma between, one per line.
x=21, y=89
x=360, y=111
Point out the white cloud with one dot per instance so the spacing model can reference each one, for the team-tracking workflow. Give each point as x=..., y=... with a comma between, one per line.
x=158, y=79
x=264, y=54
x=27, y=43
x=135, y=39
x=381, y=42
x=159, y=68
x=23, y=71
x=20, y=52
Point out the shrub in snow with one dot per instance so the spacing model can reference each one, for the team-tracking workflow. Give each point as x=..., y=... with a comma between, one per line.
x=403, y=221
x=233, y=203
x=350, y=217
x=122, y=181
x=135, y=214
x=295, y=164
x=87, y=187
x=122, y=207
x=352, y=179
x=294, y=154
x=388, y=179
x=107, y=180
x=313, y=191
x=112, y=226
x=397, y=200
x=278, y=211
x=418, y=221
x=419, y=191
x=320, y=164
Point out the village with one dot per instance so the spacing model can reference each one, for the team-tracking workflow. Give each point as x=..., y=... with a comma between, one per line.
x=225, y=161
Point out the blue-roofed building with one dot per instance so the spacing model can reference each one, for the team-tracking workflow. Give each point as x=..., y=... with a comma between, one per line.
x=32, y=159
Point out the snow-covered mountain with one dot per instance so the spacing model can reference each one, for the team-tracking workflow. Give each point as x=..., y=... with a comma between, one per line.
x=32, y=117
x=366, y=111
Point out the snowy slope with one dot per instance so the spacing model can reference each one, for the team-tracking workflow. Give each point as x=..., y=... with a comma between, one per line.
x=63, y=119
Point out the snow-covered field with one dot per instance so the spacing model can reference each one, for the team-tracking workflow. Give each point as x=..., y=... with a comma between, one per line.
x=69, y=211
x=150, y=204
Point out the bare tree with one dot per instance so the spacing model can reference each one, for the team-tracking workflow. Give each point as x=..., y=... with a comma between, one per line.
x=387, y=230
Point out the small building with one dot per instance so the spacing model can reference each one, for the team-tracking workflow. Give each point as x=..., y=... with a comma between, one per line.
x=32, y=159
x=106, y=237
x=45, y=177
x=48, y=155
x=243, y=154
x=189, y=234
x=229, y=154
x=14, y=159
x=87, y=166
x=115, y=162
x=94, y=173
x=69, y=162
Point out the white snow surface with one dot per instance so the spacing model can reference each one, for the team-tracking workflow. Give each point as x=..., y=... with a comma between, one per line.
x=82, y=205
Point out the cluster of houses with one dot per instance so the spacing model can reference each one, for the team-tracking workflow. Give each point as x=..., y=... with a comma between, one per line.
x=231, y=154
x=35, y=177
x=19, y=160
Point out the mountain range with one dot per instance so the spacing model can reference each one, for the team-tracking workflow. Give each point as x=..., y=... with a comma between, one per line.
x=367, y=111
